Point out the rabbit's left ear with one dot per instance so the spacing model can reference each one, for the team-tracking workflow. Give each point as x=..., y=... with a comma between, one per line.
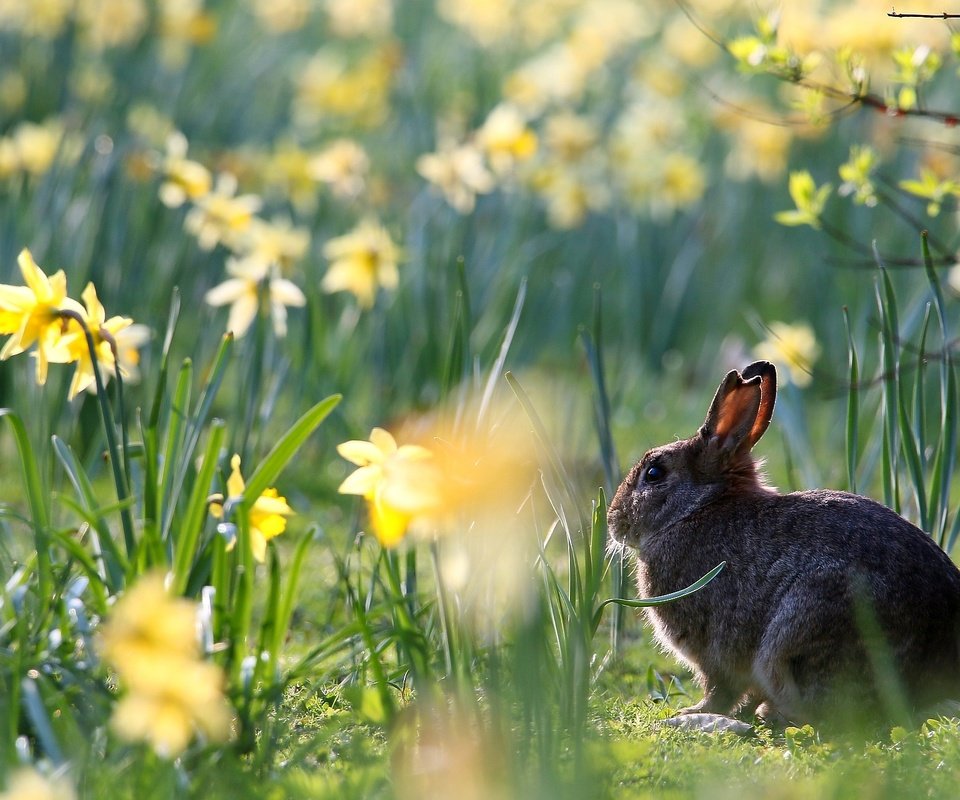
x=742, y=408
x=768, y=396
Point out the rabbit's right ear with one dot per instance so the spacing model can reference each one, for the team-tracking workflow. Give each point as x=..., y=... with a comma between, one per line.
x=738, y=415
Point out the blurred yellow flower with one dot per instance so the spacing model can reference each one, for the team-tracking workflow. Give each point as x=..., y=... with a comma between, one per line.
x=184, y=179
x=242, y=292
x=44, y=19
x=26, y=783
x=31, y=314
x=342, y=165
x=267, y=516
x=221, y=216
x=793, y=347
x=171, y=694
x=459, y=172
x=400, y=484
x=330, y=86
x=570, y=136
x=760, y=149
x=572, y=191
x=361, y=261
x=682, y=183
x=111, y=23
x=506, y=139
x=183, y=24
x=351, y=18
x=282, y=16
x=286, y=172
x=487, y=21
x=127, y=337
x=37, y=146
x=554, y=76
x=275, y=243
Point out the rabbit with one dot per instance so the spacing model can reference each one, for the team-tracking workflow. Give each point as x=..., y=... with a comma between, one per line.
x=830, y=604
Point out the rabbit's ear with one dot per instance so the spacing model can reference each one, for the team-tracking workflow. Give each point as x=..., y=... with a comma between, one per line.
x=768, y=396
x=734, y=413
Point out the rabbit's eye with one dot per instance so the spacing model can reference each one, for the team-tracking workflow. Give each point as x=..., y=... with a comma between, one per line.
x=654, y=473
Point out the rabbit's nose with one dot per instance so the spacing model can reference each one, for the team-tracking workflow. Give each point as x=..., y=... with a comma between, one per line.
x=617, y=523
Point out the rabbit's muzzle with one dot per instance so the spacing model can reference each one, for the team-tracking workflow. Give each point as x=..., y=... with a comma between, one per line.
x=622, y=515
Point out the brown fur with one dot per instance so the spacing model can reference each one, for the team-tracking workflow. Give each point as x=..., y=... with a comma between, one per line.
x=809, y=575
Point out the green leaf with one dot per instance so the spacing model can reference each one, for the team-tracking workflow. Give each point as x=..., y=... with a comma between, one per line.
x=114, y=562
x=37, y=500
x=660, y=600
x=286, y=448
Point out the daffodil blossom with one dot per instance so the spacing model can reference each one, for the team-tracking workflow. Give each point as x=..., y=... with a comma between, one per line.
x=221, y=215
x=268, y=514
x=126, y=337
x=459, y=172
x=171, y=694
x=792, y=346
x=185, y=179
x=31, y=314
x=400, y=484
x=242, y=292
x=361, y=261
x=26, y=783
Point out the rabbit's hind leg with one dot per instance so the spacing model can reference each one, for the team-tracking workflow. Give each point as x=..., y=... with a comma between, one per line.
x=806, y=657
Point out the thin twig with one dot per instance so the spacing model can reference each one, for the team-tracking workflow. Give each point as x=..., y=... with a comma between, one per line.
x=908, y=15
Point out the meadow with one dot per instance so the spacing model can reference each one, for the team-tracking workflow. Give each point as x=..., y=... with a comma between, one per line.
x=331, y=326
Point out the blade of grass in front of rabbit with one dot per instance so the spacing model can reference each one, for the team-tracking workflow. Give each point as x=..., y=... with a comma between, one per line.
x=891, y=494
x=853, y=405
x=945, y=455
x=887, y=681
x=611, y=468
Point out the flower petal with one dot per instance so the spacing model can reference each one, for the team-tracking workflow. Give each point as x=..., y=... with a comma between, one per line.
x=360, y=452
x=362, y=481
x=384, y=441
x=229, y=291
x=242, y=314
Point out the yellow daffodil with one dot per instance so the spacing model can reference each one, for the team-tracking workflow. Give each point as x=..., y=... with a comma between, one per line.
x=506, y=139
x=26, y=783
x=361, y=261
x=331, y=86
x=400, y=484
x=354, y=18
x=275, y=243
x=793, y=347
x=31, y=314
x=37, y=146
x=150, y=639
x=268, y=514
x=221, y=215
x=126, y=336
x=184, y=179
x=459, y=172
x=242, y=292
x=342, y=165
x=570, y=136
